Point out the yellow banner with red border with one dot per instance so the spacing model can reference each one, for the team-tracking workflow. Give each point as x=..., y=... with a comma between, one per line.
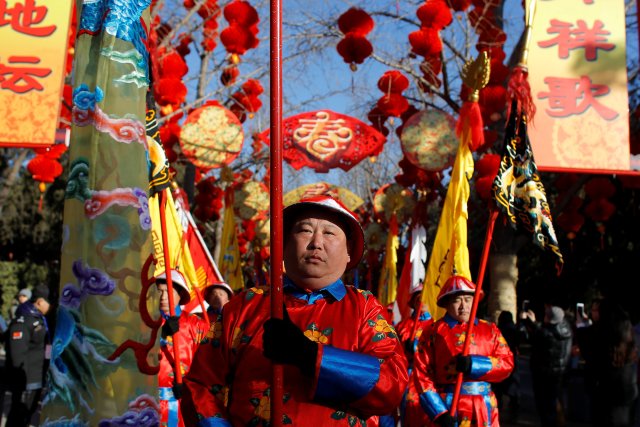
x=33, y=51
x=578, y=78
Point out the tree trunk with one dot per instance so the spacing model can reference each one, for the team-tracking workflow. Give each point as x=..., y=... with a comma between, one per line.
x=503, y=280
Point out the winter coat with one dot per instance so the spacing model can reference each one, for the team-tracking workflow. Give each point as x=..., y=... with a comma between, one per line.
x=26, y=339
x=550, y=347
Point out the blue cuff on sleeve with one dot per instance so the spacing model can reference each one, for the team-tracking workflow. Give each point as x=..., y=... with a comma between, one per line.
x=480, y=365
x=346, y=375
x=214, y=422
x=432, y=404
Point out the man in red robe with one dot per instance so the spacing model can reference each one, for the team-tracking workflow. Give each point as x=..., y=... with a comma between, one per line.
x=190, y=330
x=343, y=363
x=438, y=362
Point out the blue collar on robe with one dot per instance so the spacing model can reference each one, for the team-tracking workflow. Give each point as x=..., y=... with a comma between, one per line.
x=453, y=322
x=336, y=290
x=177, y=310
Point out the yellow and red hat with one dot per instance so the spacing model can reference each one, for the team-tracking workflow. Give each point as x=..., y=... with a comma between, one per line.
x=455, y=285
x=328, y=203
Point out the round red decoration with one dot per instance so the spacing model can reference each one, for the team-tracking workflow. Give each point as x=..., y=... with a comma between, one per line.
x=429, y=140
x=393, y=82
x=425, y=42
x=241, y=13
x=354, y=49
x=393, y=105
x=355, y=21
x=211, y=137
x=434, y=14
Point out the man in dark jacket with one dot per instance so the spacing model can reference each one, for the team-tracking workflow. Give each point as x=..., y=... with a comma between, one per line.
x=27, y=340
x=550, y=352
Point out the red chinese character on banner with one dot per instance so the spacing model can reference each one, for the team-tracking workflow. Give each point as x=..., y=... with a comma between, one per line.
x=24, y=17
x=21, y=79
x=591, y=39
x=574, y=96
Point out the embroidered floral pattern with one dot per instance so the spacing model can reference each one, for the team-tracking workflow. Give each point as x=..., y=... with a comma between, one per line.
x=351, y=419
x=253, y=292
x=262, y=410
x=382, y=328
x=314, y=333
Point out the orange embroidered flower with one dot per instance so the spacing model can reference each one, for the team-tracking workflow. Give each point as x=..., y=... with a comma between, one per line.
x=316, y=336
x=383, y=326
x=264, y=408
x=215, y=330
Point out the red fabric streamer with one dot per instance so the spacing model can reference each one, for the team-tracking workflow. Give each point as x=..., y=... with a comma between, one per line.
x=471, y=116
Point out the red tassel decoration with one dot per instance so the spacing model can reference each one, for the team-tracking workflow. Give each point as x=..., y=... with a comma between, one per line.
x=518, y=90
x=470, y=113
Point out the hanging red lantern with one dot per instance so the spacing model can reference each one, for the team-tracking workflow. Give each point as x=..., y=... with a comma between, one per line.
x=426, y=42
x=237, y=40
x=434, y=14
x=460, y=5
x=208, y=9
x=393, y=104
x=44, y=167
x=488, y=165
x=570, y=221
x=393, y=82
x=355, y=21
x=600, y=210
x=241, y=13
x=354, y=49
x=210, y=34
x=229, y=75
x=252, y=87
x=600, y=187
x=172, y=65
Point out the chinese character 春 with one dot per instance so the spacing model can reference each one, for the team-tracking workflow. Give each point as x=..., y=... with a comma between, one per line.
x=574, y=96
x=580, y=37
x=22, y=79
x=24, y=17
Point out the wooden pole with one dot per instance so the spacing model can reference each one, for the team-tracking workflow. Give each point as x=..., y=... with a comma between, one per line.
x=275, y=167
x=493, y=214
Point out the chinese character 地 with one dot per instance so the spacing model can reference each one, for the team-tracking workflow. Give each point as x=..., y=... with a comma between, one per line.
x=24, y=17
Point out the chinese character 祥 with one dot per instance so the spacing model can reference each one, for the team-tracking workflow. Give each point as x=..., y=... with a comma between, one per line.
x=22, y=79
x=574, y=96
x=24, y=17
x=569, y=38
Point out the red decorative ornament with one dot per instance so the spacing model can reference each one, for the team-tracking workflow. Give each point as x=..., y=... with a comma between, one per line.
x=600, y=210
x=393, y=82
x=435, y=14
x=241, y=33
x=229, y=75
x=393, y=104
x=600, y=187
x=355, y=21
x=44, y=167
x=354, y=49
x=323, y=140
x=241, y=13
x=426, y=42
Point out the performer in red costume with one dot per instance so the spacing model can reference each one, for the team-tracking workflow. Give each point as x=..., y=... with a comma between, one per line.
x=409, y=334
x=192, y=330
x=343, y=363
x=438, y=361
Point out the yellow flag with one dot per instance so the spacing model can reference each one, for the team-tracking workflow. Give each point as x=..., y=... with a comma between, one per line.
x=229, y=258
x=450, y=251
x=388, y=283
x=178, y=247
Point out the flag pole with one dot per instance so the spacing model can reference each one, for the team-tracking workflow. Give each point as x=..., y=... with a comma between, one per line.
x=493, y=215
x=275, y=168
x=167, y=269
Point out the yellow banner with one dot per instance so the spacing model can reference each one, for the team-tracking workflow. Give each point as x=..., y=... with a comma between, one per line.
x=34, y=35
x=578, y=77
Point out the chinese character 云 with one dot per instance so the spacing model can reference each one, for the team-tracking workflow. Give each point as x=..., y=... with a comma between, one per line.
x=22, y=79
x=569, y=96
x=24, y=17
x=580, y=37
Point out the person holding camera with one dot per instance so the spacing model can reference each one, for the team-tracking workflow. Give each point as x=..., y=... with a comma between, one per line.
x=550, y=352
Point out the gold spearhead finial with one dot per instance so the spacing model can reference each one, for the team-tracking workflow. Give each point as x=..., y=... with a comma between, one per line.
x=475, y=74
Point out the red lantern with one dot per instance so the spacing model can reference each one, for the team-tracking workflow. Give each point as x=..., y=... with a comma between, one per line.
x=393, y=104
x=600, y=210
x=237, y=39
x=570, y=221
x=355, y=21
x=393, y=82
x=426, y=42
x=229, y=75
x=354, y=49
x=241, y=13
x=434, y=14
x=488, y=165
x=600, y=187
